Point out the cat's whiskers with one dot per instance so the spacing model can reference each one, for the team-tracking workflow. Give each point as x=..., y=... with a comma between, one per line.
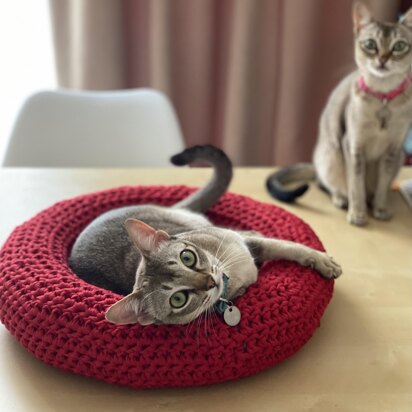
x=206, y=324
x=204, y=306
x=227, y=266
x=189, y=326
x=191, y=321
x=234, y=260
x=234, y=254
x=220, y=244
x=196, y=314
x=198, y=326
x=202, y=314
x=230, y=250
x=221, y=265
x=212, y=317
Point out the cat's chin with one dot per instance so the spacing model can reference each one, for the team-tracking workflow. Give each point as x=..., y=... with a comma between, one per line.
x=383, y=73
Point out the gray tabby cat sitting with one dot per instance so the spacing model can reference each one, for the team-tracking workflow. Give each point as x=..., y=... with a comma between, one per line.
x=171, y=261
x=364, y=124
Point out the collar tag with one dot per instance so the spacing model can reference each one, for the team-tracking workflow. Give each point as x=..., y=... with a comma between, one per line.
x=231, y=314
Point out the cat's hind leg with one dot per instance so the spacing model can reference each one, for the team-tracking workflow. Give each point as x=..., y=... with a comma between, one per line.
x=339, y=200
x=387, y=169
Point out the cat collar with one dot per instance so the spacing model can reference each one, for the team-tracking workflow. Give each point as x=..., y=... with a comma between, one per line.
x=231, y=314
x=384, y=97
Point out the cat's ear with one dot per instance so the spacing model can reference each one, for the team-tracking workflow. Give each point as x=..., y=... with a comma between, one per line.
x=361, y=16
x=406, y=18
x=128, y=311
x=146, y=238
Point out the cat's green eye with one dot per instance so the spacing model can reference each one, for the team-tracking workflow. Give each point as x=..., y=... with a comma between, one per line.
x=399, y=46
x=188, y=258
x=370, y=45
x=179, y=299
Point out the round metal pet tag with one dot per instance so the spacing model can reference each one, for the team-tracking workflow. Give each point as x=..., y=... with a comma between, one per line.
x=232, y=316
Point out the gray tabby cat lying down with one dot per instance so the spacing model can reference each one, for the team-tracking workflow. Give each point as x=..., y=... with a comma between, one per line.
x=172, y=261
x=364, y=124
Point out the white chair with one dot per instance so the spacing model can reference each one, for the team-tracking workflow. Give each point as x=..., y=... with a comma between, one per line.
x=127, y=128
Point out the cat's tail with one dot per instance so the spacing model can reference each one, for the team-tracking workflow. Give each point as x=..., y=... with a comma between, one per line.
x=277, y=182
x=205, y=197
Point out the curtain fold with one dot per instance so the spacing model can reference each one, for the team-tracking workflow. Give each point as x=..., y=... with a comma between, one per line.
x=250, y=76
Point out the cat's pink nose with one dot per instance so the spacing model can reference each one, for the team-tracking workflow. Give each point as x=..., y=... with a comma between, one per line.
x=383, y=59
x=210, y=283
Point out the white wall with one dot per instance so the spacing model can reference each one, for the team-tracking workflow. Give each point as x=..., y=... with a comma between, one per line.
x=26, y=57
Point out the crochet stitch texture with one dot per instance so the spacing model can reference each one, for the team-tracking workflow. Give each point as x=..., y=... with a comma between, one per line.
x=60, y=318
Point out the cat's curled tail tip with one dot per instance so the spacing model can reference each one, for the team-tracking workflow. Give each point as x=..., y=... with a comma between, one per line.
x=201, y=152
x=179, y=159
x=280, y=193
x=208, y=195
x=278, y=182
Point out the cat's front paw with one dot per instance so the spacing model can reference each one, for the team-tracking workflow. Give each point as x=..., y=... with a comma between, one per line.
x=382, y=213
x=325, y=265
x=357, y=218
x=340, y=201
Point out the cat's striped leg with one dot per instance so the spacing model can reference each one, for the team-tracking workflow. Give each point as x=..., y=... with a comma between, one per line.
x=356, y=168
x=274, y=249
x=388, y=168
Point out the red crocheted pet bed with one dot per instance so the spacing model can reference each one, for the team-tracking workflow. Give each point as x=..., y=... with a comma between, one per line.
x=60, y=318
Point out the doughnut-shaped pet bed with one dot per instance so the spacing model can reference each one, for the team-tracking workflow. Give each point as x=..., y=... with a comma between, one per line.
x=61, y=319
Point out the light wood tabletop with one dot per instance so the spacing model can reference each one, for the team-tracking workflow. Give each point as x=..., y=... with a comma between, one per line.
x=360, y=359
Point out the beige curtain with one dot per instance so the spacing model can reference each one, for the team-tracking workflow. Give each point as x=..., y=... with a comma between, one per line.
x=250, y=76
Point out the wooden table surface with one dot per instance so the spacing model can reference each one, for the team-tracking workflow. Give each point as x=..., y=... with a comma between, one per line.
x=360, y=359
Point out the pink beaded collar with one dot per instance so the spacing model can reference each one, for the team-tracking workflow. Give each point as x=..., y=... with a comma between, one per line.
x=384, y=97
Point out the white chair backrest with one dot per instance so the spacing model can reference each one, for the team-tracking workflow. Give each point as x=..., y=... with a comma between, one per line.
x=127, y=128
